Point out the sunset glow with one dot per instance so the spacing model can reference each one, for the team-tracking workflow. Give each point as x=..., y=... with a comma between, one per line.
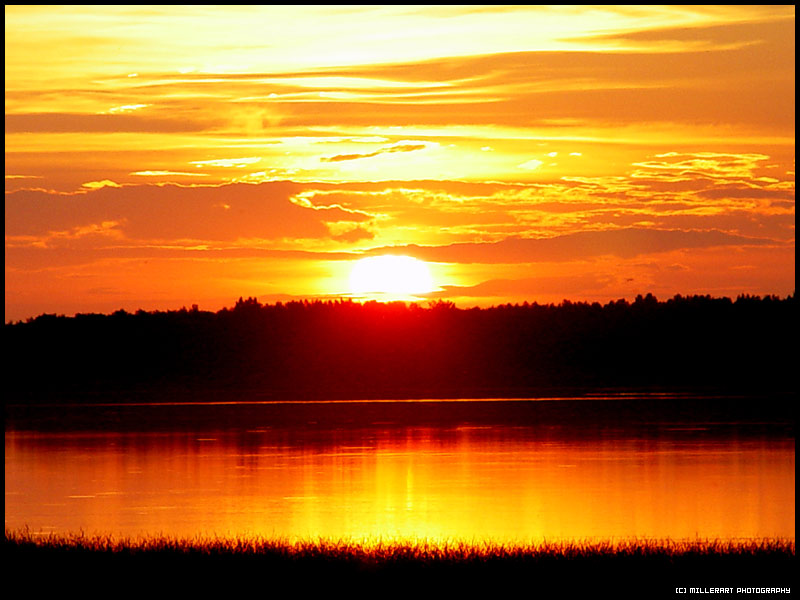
x=164, y=156
x=391, y=275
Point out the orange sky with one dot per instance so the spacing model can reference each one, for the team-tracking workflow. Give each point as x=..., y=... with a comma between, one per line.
x=163, y=156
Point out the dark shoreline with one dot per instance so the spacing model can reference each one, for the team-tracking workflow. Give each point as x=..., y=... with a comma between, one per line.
x=647, y=569
x=345, y=350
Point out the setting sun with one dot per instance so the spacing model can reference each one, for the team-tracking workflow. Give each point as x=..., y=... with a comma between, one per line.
x=392, y=275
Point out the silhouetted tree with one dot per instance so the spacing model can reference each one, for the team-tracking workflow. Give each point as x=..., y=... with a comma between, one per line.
x=340, y=348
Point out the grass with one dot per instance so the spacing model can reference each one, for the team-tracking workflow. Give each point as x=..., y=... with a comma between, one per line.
x=649, y=568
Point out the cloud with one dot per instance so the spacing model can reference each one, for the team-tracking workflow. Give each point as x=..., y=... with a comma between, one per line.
x=174, y=213
x=686, y=84
x=349, y=232
x=714, y=37
x=168, y=174
x=100, y=123
x=530, y=287
x=532, y=164
x=744, y=191
x=127, y=108
x=623, y=243
x=228, y=162
x=385, y=150
x=675, y=166
x=96, y=185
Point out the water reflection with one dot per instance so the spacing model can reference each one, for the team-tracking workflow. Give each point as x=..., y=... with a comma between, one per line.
x=505, y=479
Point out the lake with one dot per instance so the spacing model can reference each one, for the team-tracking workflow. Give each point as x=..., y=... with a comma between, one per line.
x=592, y=468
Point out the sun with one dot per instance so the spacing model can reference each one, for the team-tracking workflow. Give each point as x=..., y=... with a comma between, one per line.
x=390, y=276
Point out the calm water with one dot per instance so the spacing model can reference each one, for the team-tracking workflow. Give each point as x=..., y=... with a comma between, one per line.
x=504, y=470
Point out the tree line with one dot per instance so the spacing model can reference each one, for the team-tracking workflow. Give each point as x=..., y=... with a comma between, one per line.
x=346, y=349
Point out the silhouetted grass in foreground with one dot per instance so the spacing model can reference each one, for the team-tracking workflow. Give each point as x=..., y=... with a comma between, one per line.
x=653, y=567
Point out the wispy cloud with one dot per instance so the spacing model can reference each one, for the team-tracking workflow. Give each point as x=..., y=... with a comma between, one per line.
x=228, y=162
x=100, y=123
x=624, y=243
x=168, y=174
x=400, y=147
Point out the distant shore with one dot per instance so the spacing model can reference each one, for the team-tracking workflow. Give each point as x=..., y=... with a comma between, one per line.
x=346, y=350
